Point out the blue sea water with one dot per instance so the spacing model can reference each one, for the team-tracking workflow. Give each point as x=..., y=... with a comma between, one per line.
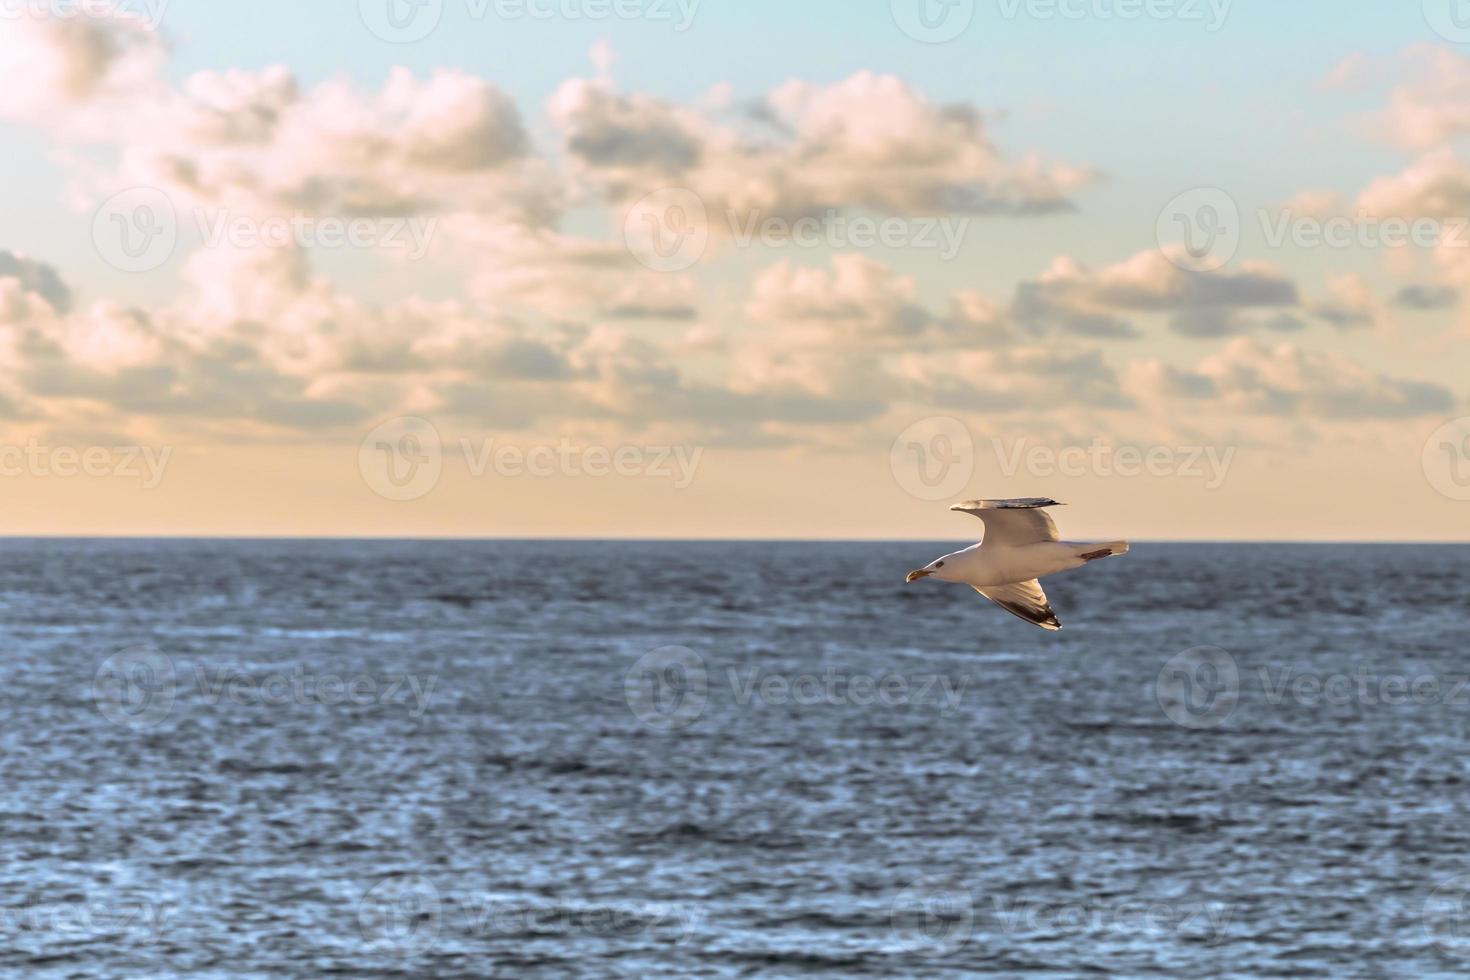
x=564, y=759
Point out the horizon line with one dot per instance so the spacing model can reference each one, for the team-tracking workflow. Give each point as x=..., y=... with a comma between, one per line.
x=634, y=539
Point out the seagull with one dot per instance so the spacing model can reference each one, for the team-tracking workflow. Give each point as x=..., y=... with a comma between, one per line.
x=1020, y=547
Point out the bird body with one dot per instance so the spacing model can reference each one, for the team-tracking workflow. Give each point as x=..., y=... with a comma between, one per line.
x=979, y=566
x=1020, y=546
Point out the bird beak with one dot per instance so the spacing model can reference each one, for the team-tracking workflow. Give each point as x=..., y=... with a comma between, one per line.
x=917, y=574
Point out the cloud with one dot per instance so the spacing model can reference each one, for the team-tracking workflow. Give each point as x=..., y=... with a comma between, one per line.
x=1036, y=379
x=1433, y=106
x=1216, y=322
x=867, y=142
x=1426, y=297
x=1283, y=380
x=1435, y=186
x=551, y=325
x=255, y=141
x=550, y=273
x=1070, y=298
x=1314, y=204
x=1348, y=74
x=862, y=304
x=616, y=134
x=260, y=143
x=1351, y=304
x=36, y=277
x=81, y=73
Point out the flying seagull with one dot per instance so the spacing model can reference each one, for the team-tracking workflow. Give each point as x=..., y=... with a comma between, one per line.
x=1020, y=547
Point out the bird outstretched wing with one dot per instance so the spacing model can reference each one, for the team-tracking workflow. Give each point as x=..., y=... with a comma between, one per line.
x=1012, y=523
x=1025, y=600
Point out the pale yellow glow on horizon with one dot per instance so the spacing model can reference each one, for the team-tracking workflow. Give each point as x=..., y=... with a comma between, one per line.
x=318, y=491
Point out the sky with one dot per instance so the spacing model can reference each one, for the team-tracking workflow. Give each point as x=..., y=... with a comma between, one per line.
x=698, y=268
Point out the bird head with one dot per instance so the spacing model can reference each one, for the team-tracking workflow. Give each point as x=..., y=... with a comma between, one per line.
x=935, y=568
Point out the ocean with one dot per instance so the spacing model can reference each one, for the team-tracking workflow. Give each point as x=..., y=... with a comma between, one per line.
x=597, y=759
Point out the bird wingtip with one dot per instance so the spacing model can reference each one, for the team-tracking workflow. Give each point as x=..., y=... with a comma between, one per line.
x=1021, y=503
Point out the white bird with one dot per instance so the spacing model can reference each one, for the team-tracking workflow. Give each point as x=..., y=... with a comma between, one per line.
x=1020, y=546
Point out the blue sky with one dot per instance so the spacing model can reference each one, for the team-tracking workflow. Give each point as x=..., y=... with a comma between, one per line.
x=1156, y=105
x=1065, y=319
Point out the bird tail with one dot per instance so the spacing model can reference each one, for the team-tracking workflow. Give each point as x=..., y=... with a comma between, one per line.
x=1092, y=552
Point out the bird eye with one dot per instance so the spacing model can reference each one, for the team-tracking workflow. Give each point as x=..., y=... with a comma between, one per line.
x=939, y=564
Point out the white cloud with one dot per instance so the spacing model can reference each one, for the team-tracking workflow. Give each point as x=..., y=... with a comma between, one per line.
x=869, y=141
x=1284, y=380
x=1070, y=298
